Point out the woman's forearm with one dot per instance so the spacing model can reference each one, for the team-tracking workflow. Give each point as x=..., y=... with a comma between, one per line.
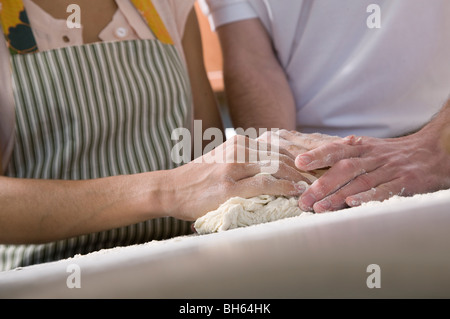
x=34, y=211
x=37, y=211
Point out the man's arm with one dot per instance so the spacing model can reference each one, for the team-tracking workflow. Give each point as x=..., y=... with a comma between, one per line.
x=365, y=169
x=258, y=92
x=205, y=103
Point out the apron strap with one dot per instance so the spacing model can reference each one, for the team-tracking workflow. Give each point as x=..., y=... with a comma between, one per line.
x=16, y=27
x=19, y=35
x=151, y=16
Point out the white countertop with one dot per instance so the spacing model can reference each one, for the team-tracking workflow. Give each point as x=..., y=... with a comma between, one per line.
x=319, y=256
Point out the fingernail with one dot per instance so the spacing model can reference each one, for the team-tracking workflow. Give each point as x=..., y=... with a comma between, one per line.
x=307, y=202
x=323, y=205
x=301, y=188
x=349, y=138
x=303, y=160
x=352, y=202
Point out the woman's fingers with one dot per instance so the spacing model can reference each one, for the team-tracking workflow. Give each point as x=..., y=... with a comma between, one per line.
x=240, y=167
x=241, y=149
x=294, y=143
x=265, y=184
x=256, y=157
x=327, y=155
x=307, y=141
x=274, y=141
x=282, y=168
x=287, y=171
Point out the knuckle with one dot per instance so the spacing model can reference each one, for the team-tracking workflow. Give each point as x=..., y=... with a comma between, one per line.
x=238, y=139
x=292, y=147
x=385, y=158
x=365, y=181
x=228, y=170
x=232, y=140
x=348, y=164
x=317, y=136
x=284, y=159
x=282, y=169
x=265, y=136
x=283, y=133
x=228, y=186
x=235, y=152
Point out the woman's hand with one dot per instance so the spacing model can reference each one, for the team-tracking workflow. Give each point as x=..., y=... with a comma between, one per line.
x=230, y=170
x=293, y=143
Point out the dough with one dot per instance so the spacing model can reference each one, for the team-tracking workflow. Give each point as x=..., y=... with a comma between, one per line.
x=241, y=212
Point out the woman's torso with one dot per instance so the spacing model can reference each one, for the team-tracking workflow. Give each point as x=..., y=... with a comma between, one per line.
x=92, y=110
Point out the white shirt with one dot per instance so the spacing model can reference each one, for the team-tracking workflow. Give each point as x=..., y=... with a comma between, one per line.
x=51, y=33
x=348, y=78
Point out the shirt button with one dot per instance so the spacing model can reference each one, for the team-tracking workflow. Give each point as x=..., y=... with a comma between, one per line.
x=121, y=32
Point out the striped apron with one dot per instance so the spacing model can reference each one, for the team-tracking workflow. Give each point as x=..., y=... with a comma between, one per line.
x=93, y=111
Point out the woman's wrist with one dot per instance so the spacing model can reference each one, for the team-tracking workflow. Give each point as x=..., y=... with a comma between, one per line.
x=157, y=194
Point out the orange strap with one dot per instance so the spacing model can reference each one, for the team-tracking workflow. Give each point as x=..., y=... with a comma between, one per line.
x=151, y=16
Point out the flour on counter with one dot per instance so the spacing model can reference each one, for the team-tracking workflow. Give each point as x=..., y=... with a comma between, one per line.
x=242, y=212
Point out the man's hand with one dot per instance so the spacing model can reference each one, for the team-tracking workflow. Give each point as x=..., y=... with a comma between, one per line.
x=364, y=169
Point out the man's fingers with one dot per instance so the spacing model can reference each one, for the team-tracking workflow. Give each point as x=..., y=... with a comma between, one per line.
x=326, y=155
x=341, y=174
x=379, y=193
x=361, y=183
